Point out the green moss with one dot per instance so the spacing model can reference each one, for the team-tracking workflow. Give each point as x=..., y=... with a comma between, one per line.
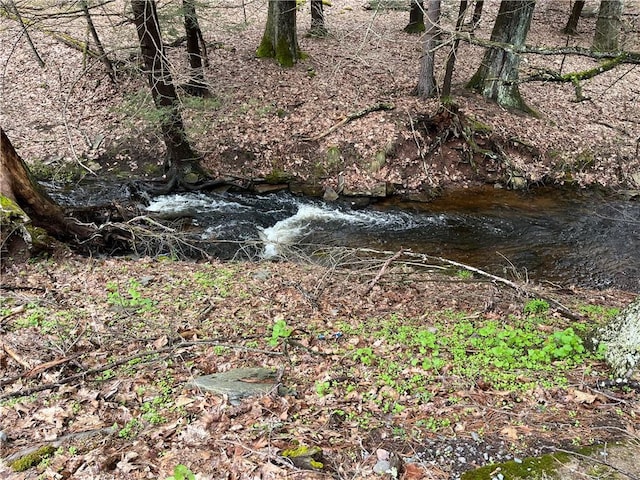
x=285, y=53
x=533, y=468
x=301, y=451
x=417, y=27
x=278, y=176
x=265, y=50
x=32, y=459
x=11, y=211
x=305, y=457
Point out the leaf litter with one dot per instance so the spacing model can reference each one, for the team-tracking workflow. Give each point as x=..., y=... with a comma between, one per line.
x=397, y=367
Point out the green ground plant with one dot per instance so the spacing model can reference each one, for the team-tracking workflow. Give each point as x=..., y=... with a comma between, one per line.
x=132, y=299
x=182, y=472
x=279, y=331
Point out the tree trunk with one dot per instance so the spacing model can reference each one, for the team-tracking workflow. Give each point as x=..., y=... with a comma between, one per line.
x=279, y=40
x=17, y=184
x=318, y=28
x=196, y=85
x=608, y=26
x=181, y=161
x=426, y=81
x=25, y=31
x=477, y=13
x=451, y=58
x=497, y=76
x=104, y=58
x=571, y=28
x=416, y=17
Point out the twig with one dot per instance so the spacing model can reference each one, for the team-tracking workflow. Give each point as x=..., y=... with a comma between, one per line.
x=61, y=441
x=382, y=270
x=122, y=361
x=352, y=116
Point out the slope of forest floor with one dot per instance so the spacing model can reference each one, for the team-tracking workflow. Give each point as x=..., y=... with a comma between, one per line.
x=372, y=354
x=264, y=121
x=390, y=354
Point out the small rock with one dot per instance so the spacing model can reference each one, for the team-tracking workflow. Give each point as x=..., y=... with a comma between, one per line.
x=383, y=466
x=330, y=195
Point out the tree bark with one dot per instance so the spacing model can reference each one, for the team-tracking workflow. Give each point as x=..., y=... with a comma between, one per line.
x=17, y=184
x=318, y=27
x=416, y=17
x=280, y=40
x=197, y=85
x=181, y=160
x=497, y=76
x=426, y=81
x=477, y=13
x=451, y=58
x=608, y=25
x=571, y=28
x=104, y=58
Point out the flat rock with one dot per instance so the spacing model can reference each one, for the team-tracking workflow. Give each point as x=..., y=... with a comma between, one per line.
x=238, y=384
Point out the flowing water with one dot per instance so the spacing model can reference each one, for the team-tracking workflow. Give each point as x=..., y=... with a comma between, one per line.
x=567, y=237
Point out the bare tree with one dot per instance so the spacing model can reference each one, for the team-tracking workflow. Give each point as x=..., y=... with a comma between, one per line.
x=318, y=27
x=280, y=40
x=196, y=49
x=426, y=80
x=451, y=58
x=182, y=163
x=477, y=13
x=104, y=58
x=416, y=17
x=497, y=76
x=571, y=28
x=608, y=25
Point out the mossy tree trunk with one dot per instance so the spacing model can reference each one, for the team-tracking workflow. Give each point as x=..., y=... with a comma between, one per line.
x=19, y=189
x=182, y=163
x=607, y=36
x=426, y=80
x=571, y=28
x=416, y=17
x=497, y=76
x=280, y=40
x=197, y=85
x=318, y=27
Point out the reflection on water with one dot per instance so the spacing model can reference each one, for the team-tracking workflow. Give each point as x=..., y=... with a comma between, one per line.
x=567, y=237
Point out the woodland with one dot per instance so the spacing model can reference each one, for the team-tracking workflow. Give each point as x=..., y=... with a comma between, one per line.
x=386, y=364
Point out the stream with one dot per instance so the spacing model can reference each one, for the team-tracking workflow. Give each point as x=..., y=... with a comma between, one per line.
x=565, y=236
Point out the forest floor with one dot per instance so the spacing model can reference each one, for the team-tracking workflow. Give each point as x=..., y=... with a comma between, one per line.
x=390, y=362
x=444, y=370
x=263, y=120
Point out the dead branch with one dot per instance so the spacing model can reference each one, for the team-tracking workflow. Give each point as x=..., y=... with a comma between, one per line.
x=626, y=57
x=109, y=366
x=397, y=255
x=528, y=292
x=349, y=118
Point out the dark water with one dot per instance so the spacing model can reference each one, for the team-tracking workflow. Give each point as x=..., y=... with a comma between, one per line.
x=568, y=237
